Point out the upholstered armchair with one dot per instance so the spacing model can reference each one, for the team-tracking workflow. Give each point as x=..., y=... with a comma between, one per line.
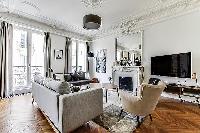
x=144, y=104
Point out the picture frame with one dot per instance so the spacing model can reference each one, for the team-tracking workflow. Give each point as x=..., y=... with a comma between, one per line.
x=101, y=61
x=58, y=54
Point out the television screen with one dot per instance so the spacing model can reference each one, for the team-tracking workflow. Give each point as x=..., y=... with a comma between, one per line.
x=176, y=65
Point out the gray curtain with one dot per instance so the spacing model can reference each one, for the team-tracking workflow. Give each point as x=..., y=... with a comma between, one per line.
x=6, y=33
x=47, y=40
x=88, y=50
x=67, y=54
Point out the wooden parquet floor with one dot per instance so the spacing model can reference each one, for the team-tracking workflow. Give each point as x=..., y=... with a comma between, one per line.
x=18, y=115
x=172, y=116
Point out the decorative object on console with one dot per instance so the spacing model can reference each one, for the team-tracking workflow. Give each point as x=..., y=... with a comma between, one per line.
x=101, y=61
x=90, y=54
x=194, y=76
x=58, y=54
x=125, y=62
x=137, y=61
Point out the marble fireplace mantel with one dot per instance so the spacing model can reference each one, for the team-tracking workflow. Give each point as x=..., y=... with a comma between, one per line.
x=136, y=72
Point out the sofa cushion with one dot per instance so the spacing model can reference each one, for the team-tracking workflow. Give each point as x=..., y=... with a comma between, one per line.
x=59, y=87
x=46, y=81
x=81, y=75
x=68, y=77
x=39, y=79
x=75, y=76
x=64, y=88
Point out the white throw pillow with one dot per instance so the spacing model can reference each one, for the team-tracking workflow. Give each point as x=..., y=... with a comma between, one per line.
x=39, y=79
x=46, y=80
x=59, y=87
x=53, y=84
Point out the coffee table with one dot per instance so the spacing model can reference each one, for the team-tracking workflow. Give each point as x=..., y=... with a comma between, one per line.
x=106, y=86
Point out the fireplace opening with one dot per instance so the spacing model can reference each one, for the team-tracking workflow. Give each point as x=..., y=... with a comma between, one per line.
x=126, y=83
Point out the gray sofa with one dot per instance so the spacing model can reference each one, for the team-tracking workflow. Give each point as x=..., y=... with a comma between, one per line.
x=68, y=111
x=76, y=79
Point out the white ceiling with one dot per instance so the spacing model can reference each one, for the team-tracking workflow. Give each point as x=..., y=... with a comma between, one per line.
x=71, y=12
x=68, y=14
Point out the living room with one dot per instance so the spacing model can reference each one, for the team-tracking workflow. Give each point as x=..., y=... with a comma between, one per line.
x=101, y=68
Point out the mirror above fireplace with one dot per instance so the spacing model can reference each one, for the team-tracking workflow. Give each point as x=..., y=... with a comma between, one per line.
x=129, y=49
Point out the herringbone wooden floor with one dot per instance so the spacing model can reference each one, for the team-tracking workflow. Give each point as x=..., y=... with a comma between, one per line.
x=171, y=116
x=18, y=115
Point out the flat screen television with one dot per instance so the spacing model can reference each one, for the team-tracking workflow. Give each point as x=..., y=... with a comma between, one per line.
x=175, y=65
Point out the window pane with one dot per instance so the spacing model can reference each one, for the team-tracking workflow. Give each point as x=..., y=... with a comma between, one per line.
x=19, y=58
x=73, y=56
x=82, y=57
x=37, y=54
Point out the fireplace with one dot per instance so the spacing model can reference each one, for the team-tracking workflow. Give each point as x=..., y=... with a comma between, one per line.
x=132, y=76
x=126, y=83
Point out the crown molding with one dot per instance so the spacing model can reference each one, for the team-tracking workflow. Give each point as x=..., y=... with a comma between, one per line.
x=92, y=3
x=9, y=13
x=32, y=24
x=166, y=9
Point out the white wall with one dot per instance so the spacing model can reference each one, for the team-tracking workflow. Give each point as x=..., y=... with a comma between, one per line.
x=109, y=44
x=57, y=43
x=178, y=35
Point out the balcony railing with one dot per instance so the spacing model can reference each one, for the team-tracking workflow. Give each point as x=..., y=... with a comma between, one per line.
x=20, y=74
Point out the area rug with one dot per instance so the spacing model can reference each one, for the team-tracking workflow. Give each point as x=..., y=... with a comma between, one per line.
x=111, y=121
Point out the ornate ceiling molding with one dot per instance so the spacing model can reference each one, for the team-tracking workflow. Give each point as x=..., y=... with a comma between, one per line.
x=53, y=23
x=92, y=3
x=166, y=10
x=32, y=4
x=128, y=25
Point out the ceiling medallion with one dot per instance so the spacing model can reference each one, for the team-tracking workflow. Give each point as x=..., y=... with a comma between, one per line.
x=31, y=3
x=92, y=3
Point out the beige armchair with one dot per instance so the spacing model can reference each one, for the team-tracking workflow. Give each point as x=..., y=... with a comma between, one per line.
x=144, y=104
